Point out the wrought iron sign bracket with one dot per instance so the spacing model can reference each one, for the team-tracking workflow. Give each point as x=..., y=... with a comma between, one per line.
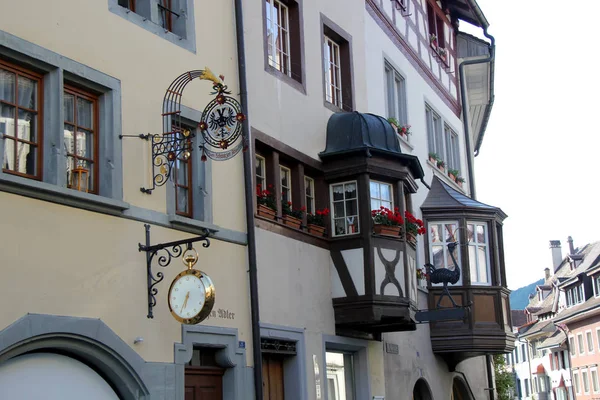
x=165, y=252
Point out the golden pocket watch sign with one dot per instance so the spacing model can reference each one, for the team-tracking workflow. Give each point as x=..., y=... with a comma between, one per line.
x=192, y=294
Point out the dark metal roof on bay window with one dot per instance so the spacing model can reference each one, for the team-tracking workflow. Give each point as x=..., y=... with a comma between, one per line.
x=442, y=196
x=354, y=132
x=467, y=10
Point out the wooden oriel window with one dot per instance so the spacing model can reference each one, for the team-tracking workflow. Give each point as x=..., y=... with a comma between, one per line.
x=182, y=178
x=81, y=134
x=435, y=22
x=20, y=120
x=129, y=4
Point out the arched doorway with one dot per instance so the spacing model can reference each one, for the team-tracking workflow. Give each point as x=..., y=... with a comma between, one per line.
x=460, y=390
x=421, y=391
x=53, y=377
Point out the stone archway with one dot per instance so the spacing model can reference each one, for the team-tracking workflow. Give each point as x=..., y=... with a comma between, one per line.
x=421, y=390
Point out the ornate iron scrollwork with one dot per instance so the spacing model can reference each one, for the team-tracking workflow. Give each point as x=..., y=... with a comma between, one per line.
x=165, y=253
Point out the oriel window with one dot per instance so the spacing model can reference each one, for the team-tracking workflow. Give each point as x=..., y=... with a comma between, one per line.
x=479, y=256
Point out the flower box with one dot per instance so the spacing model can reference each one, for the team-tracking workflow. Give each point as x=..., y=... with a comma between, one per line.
x=266, y=212
x=292, y=222
x=316, y=230
x=388, y=230
x=452, y=176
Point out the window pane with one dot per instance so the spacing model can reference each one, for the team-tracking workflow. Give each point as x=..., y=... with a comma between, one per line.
x=470, y=234
x=69, y=107
x=27, y=92
x=375, y=204
x=9, y=154
x=27, y=126
x=338, y=210
x=481, y=237
x=437, y=253
x=69, y=138
x=449, y=232
x=386, y=192
x=473, y=264
x=338, y=192
x=84, y=144
x=340, y=226
x=351, y=207
x=374, y=186
x=7, y=120
x=182, y=200
x=7, y=86
x=85, y=113
x=351, y=191
x=435, y=232
x=482, y=264
x=590, y=343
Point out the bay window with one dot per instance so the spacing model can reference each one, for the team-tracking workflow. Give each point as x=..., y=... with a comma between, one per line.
x=479, y=257
x=344, y=204
x=381, y=195
x=440, y=234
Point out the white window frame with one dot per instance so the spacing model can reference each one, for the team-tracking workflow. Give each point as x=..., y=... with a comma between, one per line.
x=333, y=78
x=332, y=214
x=309, y=193
x=435, y=139
x=596, y=285
x=588, y=342
x=477, y=245
x=595, y=384
x=576, y=382
x=279, y=58
x=261, y=163
x=598, y=337
x=585, y=379
x=379, y=199
x=288, y=172
x=580, y=344
x=395, y=94
x=444, y=244
x=572, y=346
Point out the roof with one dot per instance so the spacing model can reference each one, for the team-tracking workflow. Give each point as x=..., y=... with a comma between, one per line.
x=589, y=256
x=538, y=328
x=518, y=318
x=443, y=196
x=593, y=303
x=354, y=132
x=554, y=340
x=467, y=10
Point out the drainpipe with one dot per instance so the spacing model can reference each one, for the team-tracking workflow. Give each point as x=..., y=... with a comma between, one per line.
x=490, y=377
x=249, y=192
x=463, y=99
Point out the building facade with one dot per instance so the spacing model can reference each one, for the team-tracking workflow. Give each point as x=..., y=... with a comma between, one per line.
x=351, y=107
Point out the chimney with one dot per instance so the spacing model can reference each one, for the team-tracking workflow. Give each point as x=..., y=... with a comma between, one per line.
x=547, y=274
x=556, y=253
x=571, y=248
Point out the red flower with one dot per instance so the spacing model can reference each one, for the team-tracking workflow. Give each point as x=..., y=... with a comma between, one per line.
x=220, y=99
x=202, y=125
x=240, y=117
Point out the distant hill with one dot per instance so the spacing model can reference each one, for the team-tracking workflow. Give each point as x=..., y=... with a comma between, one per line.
x=520, y=298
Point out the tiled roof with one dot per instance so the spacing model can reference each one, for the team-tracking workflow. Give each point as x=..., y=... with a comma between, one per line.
x=554, y=340
x=590, y=254
x=592, y=303
x=539, y=327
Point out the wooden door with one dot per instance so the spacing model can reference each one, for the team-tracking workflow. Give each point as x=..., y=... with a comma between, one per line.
x=204, y=383
x=272, y=366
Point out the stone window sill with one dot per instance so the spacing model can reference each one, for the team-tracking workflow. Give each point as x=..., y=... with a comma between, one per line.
x=445, y=177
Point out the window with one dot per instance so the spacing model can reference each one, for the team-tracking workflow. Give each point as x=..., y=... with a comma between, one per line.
x=435, y=23
x=580, y=343
x=598, y=337
x=440, y=234
x=395, y=95
x=586, y=382
x=523, y=352
x=597, y=286
x=80, y=136
x=282, y=19
x=594, y=376
x=516, y=355
x=576, y=382
x=452, y=148
x=20, y=121
x=344, y=203
x=286, y=184
x=590, y=341
x=526, y=387
x=572, y=345
x=434, y=132
x=381, y=195
x=575, y=296
x=172, y=20
x=337, y=69
x=309, y=191
x=340, y=376
x=183, y=178
x=261, y=176
x=479, y=257
x=535, y=384
x=400, y=5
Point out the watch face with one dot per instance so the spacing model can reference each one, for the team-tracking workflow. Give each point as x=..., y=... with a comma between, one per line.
x=187, y=296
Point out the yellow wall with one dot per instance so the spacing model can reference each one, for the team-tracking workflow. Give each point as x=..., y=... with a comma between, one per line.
x=66, y=261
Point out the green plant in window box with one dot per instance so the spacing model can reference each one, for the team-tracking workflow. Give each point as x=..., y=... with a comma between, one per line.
x=433, y=40
x=394, y=122
x=266, y=202
x=316, y=221
x=441, y=165
x=460, y=180
x=292, y=217
x=442, y=53
x=433, y=158
x=453, y=174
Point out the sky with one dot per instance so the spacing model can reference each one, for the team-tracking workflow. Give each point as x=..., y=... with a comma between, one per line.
x=537, y=159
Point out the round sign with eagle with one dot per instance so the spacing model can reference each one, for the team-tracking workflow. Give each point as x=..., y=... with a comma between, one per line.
x=221, y=126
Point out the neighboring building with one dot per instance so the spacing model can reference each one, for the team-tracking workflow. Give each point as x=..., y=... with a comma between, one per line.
x=74, y=285
x=82, y=83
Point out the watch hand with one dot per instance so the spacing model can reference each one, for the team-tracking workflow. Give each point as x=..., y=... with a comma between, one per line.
x=187, y=296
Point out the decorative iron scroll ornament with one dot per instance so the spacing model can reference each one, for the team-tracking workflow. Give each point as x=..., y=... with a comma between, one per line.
x=164, y=252
x=220, y=126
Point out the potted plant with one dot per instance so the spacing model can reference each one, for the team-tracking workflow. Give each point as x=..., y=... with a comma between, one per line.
x=266, y=203
x=404, y=130
x=433, y=40
x=460, y=180
x=386, y=221
x=442, y=53
x=441, y=165
x=433, y=158
x=316, y=222
x=394, y=122
x=422, y=277
x=453, y=174
x=412, y=227
x=291, y=217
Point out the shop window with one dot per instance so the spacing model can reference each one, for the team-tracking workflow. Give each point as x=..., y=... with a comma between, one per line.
x=344, y=203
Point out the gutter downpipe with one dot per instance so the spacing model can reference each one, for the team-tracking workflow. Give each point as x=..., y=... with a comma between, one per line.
x=463, y=99
x=249, y=192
